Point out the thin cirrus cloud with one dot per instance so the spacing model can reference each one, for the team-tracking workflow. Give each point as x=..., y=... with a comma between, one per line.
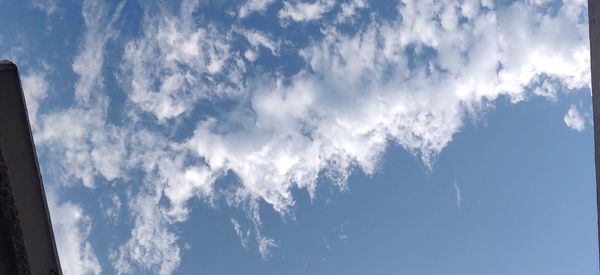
x=458, y=195
x=410, y=79
x=49, y=7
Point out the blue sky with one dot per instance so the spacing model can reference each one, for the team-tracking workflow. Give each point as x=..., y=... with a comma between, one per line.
x=311, y=137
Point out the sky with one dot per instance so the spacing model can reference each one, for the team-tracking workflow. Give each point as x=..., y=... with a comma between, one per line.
x=311, y=137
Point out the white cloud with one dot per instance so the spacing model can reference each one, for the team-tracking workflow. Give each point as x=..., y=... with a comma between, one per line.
x=574, y=120
x=35, y=89
x=305, y=11
x=252, y=6
x=72, y=227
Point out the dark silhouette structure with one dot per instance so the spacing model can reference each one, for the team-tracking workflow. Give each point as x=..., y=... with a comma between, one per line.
x=13, y=256
x=26, y=238
x=594, y=21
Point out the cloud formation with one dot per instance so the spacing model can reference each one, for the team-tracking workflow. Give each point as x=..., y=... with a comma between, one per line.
x=199, y=103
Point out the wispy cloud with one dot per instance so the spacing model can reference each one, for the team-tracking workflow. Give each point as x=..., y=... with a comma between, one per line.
x=305, y=11
x=243, y=236
x=252, y=6
x=153, y=245
x=258, y=39
x=265, y=245
x=49, y=7
x=111, y=209
x=349, y=9
x=458, y=195
x=89, y=62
